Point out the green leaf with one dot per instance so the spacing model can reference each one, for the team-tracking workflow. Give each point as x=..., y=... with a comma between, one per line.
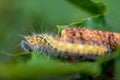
x=89, y=6
x=96, y=22
x=117, y=65
x=46, y=69
x=40, y=66
x=17, y=57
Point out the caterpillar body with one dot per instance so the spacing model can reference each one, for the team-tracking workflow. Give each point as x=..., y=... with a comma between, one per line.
x=63, y=50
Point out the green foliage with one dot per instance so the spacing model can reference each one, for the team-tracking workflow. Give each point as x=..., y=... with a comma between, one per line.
x=96, y=22
x=91, y=7
x=42, y=67
x=117, y=65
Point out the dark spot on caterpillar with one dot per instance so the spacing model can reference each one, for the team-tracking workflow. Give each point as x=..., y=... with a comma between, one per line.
x=30, y=50
x=80, y=56
x=31, y=41
x=45, y=40
x=55, y=49
x=73, y=34
x=48, y=44
x=41, y=37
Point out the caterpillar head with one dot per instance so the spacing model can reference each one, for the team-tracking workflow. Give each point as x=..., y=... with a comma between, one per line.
x=31, y=43
x=26, y=46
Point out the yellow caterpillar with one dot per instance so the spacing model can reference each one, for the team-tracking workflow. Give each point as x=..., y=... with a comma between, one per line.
x=64, y=50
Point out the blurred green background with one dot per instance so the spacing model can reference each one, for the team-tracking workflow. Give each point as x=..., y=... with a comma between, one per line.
x=22, y=17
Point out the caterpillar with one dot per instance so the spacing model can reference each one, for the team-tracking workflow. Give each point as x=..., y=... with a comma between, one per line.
x=63, y=49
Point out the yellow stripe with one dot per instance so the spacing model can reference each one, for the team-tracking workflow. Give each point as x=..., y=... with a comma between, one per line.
x=55, y=44
x=81, y=49
x=75, y=48
x=94, y=50
x=35, y=40
x=64, y=47
x=86, y=49
x=102, y=50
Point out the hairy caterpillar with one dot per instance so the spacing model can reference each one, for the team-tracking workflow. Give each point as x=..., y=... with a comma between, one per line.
x=64, y=50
